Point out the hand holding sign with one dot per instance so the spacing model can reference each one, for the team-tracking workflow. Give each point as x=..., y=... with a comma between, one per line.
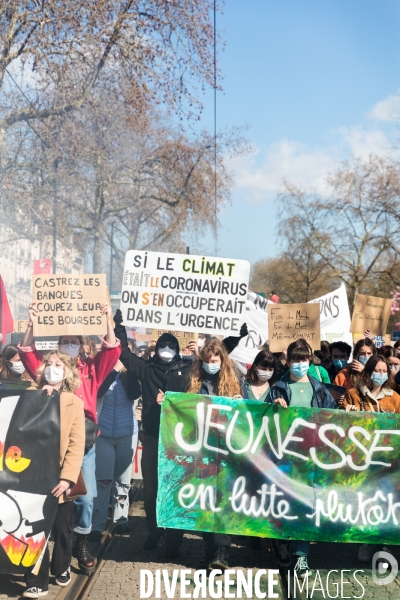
x=69, y=305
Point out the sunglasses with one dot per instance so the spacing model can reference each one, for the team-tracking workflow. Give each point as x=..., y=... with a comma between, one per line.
x=169, y=344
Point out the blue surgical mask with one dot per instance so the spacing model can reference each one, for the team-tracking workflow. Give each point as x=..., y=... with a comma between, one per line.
x=299, y=369
x=340, y=363
x=211, y=368
x=363, y=359
x=379, y=378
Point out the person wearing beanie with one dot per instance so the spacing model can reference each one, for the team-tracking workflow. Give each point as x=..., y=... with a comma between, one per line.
x=165, y=371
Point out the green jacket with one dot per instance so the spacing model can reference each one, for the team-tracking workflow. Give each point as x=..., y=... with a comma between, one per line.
x=319, y=373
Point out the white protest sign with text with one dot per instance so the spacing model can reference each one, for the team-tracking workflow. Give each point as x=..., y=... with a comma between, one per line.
x=256, y=317
x=184, y=292
x=335, y=316
x=69, y=304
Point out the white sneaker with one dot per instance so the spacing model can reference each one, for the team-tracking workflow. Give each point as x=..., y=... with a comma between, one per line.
x=34, y=592
x=365, y=553
x=64, y=579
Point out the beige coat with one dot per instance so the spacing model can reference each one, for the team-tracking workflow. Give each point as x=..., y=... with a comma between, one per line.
x=72, y=438
x=387, y=400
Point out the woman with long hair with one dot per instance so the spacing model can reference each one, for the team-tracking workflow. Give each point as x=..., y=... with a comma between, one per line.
x=261, y=377
x=374, y=393
x=212, y=373
x=11, y=366
x=92, y=372
x=58, y=374
x=350, y=376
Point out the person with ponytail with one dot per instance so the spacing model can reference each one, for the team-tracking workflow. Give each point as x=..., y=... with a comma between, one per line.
x=58, y=374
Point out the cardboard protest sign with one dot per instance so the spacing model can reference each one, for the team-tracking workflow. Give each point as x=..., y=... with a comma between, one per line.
x=371, y=313
x=290, y=322
x=69, y=304
x=180, y=292
x=29, y=470
x=256, y=318
x=252, y=468
x=184, y=337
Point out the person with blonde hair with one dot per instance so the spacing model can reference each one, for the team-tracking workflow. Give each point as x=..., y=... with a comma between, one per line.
x=59, y=374
x=212, y=374
x=166, y=370
x=92, y=372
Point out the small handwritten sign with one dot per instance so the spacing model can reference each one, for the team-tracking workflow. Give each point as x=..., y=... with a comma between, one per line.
x=290, y=322
x=370, y=313
x=184, y=337
x=69, y=304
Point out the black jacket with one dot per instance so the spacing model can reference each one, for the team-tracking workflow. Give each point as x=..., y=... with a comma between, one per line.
x=155, y=374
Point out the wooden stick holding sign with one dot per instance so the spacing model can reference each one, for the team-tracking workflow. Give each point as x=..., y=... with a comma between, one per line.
x=290, y=322
x=69, y=304
x=370, y=313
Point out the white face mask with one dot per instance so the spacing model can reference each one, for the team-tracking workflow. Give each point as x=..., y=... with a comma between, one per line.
x=17, y=367
x=167, y=353
x=200, y=342
x=54, y=375
x=71, y=349
x=264, y=375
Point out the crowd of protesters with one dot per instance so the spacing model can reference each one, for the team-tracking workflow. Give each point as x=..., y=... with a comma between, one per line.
x=100, y=421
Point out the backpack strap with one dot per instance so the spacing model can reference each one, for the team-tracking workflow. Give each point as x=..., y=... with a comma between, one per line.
x=319, y=374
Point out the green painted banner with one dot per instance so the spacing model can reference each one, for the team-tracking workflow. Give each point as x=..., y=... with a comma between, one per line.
x=249, y=468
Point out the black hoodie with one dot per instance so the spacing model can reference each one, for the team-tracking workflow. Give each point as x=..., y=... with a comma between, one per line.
x=155, y=374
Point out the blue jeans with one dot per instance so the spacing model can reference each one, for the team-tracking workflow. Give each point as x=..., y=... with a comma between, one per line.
x=301, y=548
x=114, y=457
x=83, y=506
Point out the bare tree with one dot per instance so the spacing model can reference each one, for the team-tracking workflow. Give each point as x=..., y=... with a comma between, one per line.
x=59, y=52
x=351, y=235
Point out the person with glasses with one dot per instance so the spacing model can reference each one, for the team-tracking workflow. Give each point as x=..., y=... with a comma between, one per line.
x=92, y=372
x=165, y=371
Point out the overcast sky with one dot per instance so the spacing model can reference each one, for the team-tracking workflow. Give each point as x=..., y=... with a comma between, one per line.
x=315, y=81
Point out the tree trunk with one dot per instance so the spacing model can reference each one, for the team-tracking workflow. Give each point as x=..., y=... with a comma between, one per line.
x=98, y=253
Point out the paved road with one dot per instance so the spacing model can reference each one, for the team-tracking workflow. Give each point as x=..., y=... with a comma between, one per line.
x=119, y=576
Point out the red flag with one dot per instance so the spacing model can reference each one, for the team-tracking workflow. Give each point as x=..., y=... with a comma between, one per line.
x=6, y=320
x=42, y=266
